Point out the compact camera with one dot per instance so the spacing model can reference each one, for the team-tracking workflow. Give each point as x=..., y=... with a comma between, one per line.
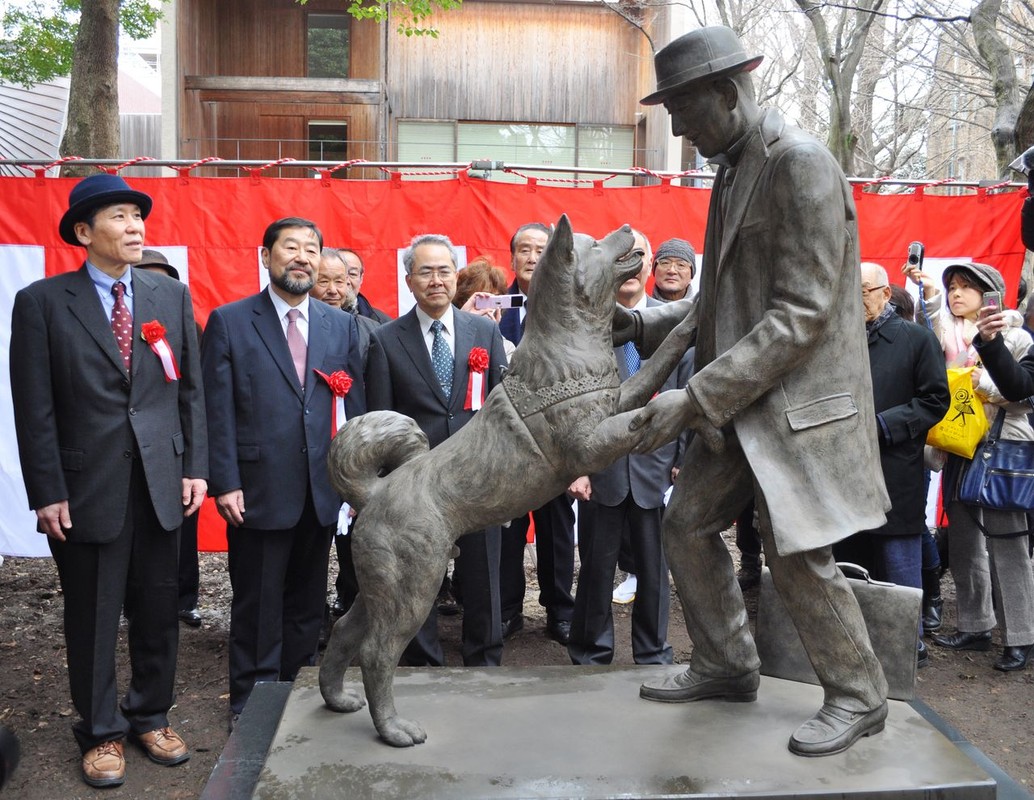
x=916, y=251
x=500, y=301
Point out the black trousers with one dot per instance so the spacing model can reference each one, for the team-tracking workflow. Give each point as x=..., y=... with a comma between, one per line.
x=279, y=581
x=136, y=573
x=477, y=572
x=600, y=532
x=189, y=574
x=554, y=548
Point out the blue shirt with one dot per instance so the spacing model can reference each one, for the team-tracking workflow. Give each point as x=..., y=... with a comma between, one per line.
x=103, y=282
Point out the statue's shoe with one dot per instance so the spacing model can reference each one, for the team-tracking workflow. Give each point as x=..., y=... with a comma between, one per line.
x=685, y=687
x=833, y=730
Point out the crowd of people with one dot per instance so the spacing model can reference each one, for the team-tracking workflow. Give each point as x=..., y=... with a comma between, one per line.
x=127, y=416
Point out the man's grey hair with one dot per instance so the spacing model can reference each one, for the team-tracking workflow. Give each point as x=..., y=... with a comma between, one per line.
x=878, y=272
x=428, y=238
x=332, y=252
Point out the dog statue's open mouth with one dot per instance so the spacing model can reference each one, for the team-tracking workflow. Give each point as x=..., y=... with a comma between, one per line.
x=628, y=265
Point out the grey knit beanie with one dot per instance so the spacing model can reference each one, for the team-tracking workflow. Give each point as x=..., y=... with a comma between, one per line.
x=676, y=248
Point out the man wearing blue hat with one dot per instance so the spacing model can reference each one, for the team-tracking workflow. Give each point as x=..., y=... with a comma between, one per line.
x=110, y=419
x=781, y=398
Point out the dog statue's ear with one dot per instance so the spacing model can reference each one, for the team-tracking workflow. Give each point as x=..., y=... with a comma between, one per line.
x=562, y=239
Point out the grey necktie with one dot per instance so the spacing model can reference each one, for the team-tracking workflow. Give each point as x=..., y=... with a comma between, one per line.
x=441, y=358
x=296, y=344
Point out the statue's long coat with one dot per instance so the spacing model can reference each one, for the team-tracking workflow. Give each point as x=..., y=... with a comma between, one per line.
x=781, y=349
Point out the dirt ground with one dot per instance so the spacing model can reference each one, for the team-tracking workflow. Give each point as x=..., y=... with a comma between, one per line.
x=993, y=710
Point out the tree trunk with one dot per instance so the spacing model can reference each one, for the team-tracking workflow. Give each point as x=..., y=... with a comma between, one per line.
x=1007, y=94
x=92, y=130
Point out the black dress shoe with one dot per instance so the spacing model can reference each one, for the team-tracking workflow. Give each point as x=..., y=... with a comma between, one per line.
x=191, y=617
x=922, y=655
x=513, y=625
x=338, y=608
x=932, y=615
x=960, y=640
x=1014, y=658
x=559, y=630
x=749, y=577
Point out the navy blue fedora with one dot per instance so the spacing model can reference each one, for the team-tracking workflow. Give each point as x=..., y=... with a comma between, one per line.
x=704, y=54
x=94, y=192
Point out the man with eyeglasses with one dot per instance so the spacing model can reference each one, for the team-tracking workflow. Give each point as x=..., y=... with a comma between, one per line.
x=421, y=365
x=674, y=266
x=910, y=392
x=354, y=275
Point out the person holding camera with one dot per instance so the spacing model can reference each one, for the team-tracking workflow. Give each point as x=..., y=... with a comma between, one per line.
x=987, y=547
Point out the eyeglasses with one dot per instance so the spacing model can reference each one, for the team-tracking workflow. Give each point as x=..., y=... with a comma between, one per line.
x=675, y=263
x=441, y=273
x=866, y=292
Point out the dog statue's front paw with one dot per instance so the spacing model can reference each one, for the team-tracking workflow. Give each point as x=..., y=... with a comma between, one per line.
x=399, y=732
x=344, y=700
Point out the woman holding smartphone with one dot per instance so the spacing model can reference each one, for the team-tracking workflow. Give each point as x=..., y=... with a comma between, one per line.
x=987, y=548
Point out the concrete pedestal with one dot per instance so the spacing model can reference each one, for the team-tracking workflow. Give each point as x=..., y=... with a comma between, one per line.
x=567, y=732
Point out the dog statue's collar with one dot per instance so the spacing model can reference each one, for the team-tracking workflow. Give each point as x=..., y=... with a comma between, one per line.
x=527, y=401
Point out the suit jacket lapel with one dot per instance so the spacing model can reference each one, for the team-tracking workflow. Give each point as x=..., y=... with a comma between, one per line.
x=319, y=339
x=412, y=340
x=463, y=341
x=272, y=334
x=145, y=309
x=748, y=172
x=86, y=307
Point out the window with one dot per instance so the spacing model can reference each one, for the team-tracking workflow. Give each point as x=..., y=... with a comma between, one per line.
x=328, y=141
x=529, y=145
x=327, y=45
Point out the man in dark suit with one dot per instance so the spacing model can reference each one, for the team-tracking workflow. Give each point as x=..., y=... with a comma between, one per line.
x=110, y=413
x=626, y=498
x=554, y=521
x=910, y=396
x=189, y=574
x=276, y=366
x=334, y=287
x=419, y=365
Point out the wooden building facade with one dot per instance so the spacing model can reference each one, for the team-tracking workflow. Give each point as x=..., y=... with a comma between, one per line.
x=520, y=82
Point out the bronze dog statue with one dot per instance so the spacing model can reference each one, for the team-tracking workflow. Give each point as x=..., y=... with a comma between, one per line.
x=560, y=410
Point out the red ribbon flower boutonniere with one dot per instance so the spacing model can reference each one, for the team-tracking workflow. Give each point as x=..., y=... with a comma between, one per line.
x=153, y=333
x=478, y=364
x=340, y=383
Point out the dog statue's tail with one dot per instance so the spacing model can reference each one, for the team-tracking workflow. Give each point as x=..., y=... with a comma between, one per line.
x=367, y=448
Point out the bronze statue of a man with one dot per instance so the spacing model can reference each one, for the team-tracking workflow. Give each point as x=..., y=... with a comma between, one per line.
x=781, y=392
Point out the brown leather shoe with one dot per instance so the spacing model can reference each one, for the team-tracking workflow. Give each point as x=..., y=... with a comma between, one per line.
x=164, y=746
x=104, y=765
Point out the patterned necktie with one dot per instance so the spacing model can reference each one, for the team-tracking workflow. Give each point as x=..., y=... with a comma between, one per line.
x=632, y=360
x=441, y=358
x=296, y=344
x=122, y=324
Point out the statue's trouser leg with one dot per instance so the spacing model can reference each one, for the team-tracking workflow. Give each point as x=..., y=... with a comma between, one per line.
x=824, y=609
x=711, y=490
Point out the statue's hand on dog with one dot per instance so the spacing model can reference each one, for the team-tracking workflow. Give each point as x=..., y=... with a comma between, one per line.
x=667, y=415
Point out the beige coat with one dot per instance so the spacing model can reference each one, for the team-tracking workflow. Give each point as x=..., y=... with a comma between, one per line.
x=781, y=349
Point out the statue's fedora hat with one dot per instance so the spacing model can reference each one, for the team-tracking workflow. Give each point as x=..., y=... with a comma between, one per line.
x=704, y=54
x=94, y=192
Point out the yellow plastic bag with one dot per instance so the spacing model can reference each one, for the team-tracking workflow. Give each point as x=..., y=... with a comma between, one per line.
x=965, y=424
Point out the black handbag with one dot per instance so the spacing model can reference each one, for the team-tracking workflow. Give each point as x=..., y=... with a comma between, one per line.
x=1001, y=474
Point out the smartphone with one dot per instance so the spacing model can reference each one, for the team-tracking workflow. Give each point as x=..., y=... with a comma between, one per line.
x=993, y=300
x=916, y=252
x=500, y=301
